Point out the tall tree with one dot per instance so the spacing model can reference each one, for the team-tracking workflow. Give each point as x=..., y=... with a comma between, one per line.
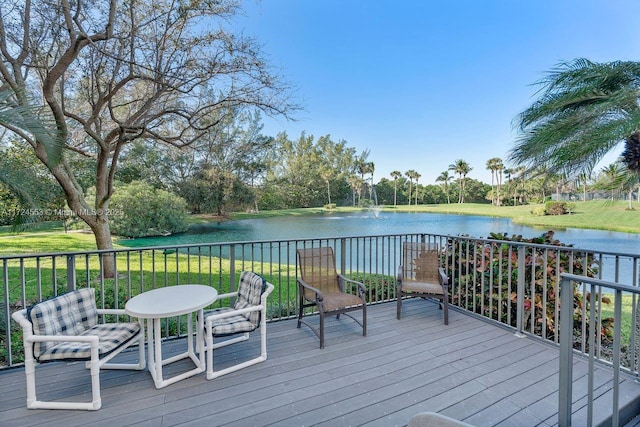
x=395, y=175
x=362, y=167
x=109, y=73
x=417, y=177
x=355, y=182
x=585, y=109
x=445, y=179
x=495, y=165
x=410, y=174
x=371, y=167
x=462, y=168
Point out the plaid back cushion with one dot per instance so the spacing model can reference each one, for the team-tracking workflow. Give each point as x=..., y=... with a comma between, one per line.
x=68, y=314
x=250, y=290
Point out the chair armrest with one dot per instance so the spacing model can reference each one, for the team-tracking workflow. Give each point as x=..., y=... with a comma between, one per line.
x=227, y=295
x=92, y=339
x=266, y=293
x=442, y=276
x=362, y=289
x=319, y=296
x=20, y=317
x=232, y=313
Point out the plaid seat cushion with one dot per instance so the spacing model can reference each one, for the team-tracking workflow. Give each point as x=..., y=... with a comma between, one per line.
x=111, y=336
x=250, y=290
x=71, y=313
x=229, y=325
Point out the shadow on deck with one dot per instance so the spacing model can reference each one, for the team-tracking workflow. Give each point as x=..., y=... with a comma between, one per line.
x=469, y=370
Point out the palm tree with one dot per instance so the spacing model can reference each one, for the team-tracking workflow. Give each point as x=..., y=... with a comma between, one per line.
x=417, y=177
x=495, y=165
x=395, y=175
x=445, y=178
x=326, y=173
x=500, y=168
x=583, y=180
x=462, y=168
x=371, y=167
x=409, y=174
x=355, y=182
x=585, y=110
x=613, y=175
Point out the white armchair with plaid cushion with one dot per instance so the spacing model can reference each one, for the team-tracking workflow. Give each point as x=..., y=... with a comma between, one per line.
x=248, y=314
x=66, y=328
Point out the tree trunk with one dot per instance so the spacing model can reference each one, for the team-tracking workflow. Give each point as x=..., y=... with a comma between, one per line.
x=395, y=193
x=102, y=232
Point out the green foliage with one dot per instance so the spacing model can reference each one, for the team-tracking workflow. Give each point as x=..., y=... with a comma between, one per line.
x=302, y=172
x=558, y=208
x=138, y=210
x=486, y=275
x=583, y=111
x=539, y=211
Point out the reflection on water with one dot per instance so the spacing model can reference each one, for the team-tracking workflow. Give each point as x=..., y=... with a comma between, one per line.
x=367, y=223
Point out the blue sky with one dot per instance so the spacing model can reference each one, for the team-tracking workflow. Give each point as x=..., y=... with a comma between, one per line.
x=422, y=83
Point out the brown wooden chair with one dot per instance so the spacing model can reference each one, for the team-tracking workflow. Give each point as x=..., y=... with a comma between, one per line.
x=420, y=275
x=321, y=286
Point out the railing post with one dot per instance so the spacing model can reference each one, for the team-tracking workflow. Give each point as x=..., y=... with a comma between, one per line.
x=520, y=293
x=71, y=272
x=343, y=255
x=566, y=353
x=232, y=269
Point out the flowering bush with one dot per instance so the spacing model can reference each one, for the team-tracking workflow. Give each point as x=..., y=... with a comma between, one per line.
x=484, y=277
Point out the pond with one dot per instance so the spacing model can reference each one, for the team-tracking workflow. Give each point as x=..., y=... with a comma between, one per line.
x=374, y=223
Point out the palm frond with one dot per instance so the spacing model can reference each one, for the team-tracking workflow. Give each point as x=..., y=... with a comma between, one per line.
x=29, y=119
x=583, y=111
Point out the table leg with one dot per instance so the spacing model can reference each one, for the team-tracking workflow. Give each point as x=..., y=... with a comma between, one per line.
x=150, y=358
x=157, y=344
x=155, y=355
x=200, y=338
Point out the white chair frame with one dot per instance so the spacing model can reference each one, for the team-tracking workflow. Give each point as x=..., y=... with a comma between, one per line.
x=94, y=364
x=210, y=346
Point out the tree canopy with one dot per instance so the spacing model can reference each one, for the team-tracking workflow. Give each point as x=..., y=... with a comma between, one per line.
x=110, y=72
x=583, y=111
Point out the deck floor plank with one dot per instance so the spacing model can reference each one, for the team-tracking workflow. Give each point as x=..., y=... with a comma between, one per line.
x=470, y=370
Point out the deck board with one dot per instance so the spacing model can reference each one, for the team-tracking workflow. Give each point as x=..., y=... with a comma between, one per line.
x=469, y=370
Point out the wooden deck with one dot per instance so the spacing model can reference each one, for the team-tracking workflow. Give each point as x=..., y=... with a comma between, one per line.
x=469, y=370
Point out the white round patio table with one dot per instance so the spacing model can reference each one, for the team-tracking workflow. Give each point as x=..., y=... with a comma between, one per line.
x=172, y=301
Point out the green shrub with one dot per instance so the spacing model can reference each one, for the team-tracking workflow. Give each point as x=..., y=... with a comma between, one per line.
x=558, y=208
x=479, y=263
x=539, y=211
x=138, y=210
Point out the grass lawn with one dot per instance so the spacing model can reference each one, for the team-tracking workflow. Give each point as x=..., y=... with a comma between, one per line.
x=597, y=214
